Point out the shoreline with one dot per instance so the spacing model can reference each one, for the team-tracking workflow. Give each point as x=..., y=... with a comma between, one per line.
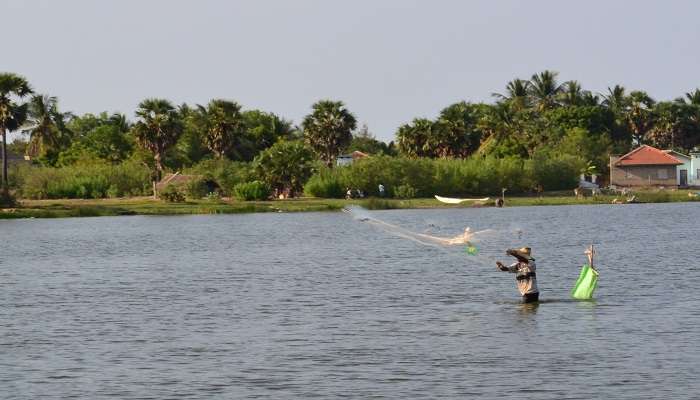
x=67, y=208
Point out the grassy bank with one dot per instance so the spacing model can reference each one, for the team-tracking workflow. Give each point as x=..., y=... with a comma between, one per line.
x=147, y=206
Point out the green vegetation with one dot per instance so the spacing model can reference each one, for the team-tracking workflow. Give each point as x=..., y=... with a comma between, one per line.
x=172, y=194
x=537, y=136
x=83, y=181
x=148, y=206
x=422, y=177
x=255, y=190
x=158, y=128
x=328, y=129
x=12, y=115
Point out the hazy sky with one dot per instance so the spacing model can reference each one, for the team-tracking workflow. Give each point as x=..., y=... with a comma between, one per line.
x=389, y=61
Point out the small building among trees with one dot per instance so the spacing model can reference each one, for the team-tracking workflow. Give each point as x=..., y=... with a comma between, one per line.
x=347, y=159
x=645, y=166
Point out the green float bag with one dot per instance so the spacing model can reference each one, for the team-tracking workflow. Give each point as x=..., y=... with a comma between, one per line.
x=586, y=283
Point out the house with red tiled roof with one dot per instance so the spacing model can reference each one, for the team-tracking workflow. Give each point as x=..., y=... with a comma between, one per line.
x=644, y=166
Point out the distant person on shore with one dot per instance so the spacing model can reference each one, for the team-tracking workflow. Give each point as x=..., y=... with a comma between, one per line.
x=381, y=190
x=524, y=270
x=348, y=194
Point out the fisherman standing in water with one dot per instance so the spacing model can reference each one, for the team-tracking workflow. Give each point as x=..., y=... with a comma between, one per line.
x=524, y=270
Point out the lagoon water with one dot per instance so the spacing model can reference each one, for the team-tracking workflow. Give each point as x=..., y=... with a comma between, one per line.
x=319, y=305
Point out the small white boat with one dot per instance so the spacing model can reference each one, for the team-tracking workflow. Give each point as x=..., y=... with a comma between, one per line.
x=452, y=200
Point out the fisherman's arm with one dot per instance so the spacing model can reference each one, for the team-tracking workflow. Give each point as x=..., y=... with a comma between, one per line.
x=511, y=268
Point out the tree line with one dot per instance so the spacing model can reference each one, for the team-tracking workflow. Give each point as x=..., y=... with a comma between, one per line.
x=542, y=115
x=533, y=118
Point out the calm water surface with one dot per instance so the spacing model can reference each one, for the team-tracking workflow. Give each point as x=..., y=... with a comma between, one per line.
x=319, y=305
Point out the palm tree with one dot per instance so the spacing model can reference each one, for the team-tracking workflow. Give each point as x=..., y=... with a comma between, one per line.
x=328, y=129
x=12, y=115
x=571, y=94
x=224, y=125
x=517, y=94
x=616, y=99
x=46, y=125
x=158, y=128
x=640, y=116
x=693, y=97
x=590, y=99
x=544, y=89
x=414, y=139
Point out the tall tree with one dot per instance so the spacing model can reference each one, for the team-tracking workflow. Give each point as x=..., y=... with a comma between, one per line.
x=571, y=94
x=103, y=136
x=504, y=131
x=223, y=124
x=616, y=99
x=413, y=139
x=263, y=129
x=676, y=126
x=363, y=140
x=328, y=129
x=285, y=166
x=12, y=115
x=544, y=90
x=46, y=127
x=458, y=129
x=640, y=116
x=693, y=97
x=158, y=127
x=517, y=94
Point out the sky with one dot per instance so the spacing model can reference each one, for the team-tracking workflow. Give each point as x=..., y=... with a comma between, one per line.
x=389, y=61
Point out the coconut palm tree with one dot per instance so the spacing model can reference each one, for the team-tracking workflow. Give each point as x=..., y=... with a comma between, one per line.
x=46, y=125
x=590, y=99
x=517, y=94
x=616, y=99
x=12, y=115
x=158, y=127
x=224, y=125
x=328, y=129
x=572, y=94
x=544, y=90
x=693, y=97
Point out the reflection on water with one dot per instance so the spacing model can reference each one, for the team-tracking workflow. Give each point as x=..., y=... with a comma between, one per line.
x=528, y=308
x=321, y=305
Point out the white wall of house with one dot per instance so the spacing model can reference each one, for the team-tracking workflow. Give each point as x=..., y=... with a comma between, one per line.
x=343, y=160
x=694, y=172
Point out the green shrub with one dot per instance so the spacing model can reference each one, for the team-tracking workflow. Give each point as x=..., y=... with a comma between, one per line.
x=556, y=173
x=95, y=180
x=255, y=190
x=113, y=191
x=379, y=204
x=325, y=184
x=172, y=194
x=475, y=176
x=405, y=192
x=224, y=172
